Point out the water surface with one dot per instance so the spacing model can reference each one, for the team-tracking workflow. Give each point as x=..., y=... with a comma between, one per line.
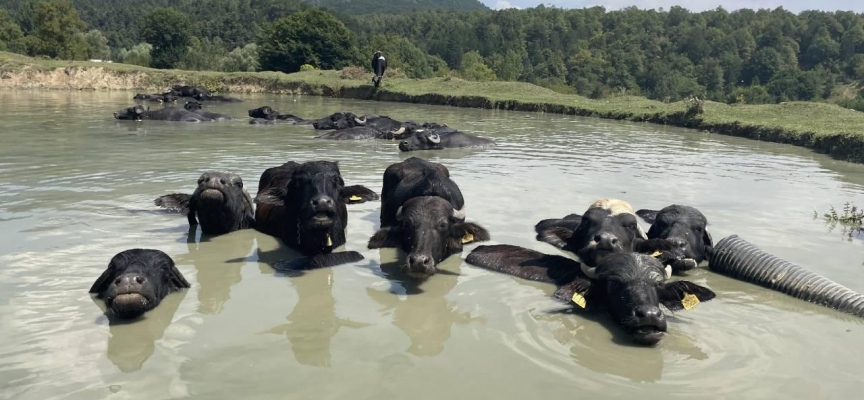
x=76, y=187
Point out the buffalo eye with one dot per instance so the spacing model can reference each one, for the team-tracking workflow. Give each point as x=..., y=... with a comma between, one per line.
x=442, y=225
x=239, y=184
x=632, y=227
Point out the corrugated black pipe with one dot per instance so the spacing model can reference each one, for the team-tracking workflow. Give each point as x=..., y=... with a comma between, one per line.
x=740, y=259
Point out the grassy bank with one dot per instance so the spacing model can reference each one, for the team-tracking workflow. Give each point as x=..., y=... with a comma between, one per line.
x=822, y=127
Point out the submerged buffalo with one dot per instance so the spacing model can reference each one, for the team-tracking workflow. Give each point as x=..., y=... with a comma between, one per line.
x=686, y=224
x=220, y=204
x=379, y=65
x=159, y=98
x=139, y=113
x=438, y=139
x=629, y=286
x=216, y=98
x=188, y=91
x=136, y=281
x=197, y=108
x=608, y=227
x=422, y=212
x=266, y=114
x=304, y=205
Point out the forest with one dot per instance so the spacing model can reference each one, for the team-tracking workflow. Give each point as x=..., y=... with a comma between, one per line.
x=744, y=56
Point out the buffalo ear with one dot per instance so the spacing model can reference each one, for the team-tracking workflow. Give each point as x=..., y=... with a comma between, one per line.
x=470, y=232
x=272, y=196
x=575, y=292
x=683, y=295
x=357, y=194
x=706, y=238
x=385, y=238
x=105, y=279
x=177, y=280
x=174, y=202
x=648, y=216
x=556, y=236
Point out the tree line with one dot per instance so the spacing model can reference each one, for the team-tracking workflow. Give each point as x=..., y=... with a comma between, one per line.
x=746, y=56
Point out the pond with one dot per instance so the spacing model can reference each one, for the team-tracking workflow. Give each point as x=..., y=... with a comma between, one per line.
x=77, y=187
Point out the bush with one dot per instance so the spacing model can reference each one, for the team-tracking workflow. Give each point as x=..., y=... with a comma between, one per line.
x=241, y=59
x=473, y=68
x=694, y=106
x=307, y=67
x=137, y=55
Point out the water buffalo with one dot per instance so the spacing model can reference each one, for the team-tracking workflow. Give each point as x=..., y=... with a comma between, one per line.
x=353, y=133
x=215, y=98
x=437, y=139
x=266, y=114
x=629, y=286
x=188, y=91
x=608, y=227
x=196, y=107
x=136, y=281
x=220, y=204
x=304, y=205
x=371, y=127
x=160, y=98
x=138, y=113
x=422, y=212
x=686, y=224
x=379, y=65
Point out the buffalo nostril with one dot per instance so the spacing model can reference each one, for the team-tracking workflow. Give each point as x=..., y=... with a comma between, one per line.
x=140, y=279
x=117, y=281
x=597, y=238
x=647, y=312
x=222, y=181
x=614, y=241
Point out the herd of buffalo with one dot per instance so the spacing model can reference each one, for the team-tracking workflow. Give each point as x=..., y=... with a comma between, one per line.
x=411, y=135
x=615, y=266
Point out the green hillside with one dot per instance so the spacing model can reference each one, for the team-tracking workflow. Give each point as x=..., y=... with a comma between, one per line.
x=396, y=6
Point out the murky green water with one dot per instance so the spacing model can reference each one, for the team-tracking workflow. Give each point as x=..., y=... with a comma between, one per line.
x=76, y=187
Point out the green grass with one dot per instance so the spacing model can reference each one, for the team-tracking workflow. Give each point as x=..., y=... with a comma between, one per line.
x=823, y=127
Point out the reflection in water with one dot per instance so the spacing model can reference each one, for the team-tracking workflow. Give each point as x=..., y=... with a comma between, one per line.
x=424, y=314
x=215, y=276
x=133, y=342
x=619, y=356
x=313, y=321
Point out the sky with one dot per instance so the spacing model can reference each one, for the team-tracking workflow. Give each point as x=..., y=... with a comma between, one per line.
x=694, y=5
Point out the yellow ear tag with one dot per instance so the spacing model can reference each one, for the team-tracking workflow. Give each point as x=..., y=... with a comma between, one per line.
x=468, y=238
x=355, y=198
x=656, y=254
x=689, y=301
x=330, y=243
x=579, y=300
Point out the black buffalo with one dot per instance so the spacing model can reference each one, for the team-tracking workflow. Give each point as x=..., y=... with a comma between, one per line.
x=608, y=227
x=352, y=127
x=196, y=107
x=684, y=223
x=304, y=205
x=138, y=113
x=422, y=212
x=266, y=113
x=442, y=138
x=220, y=204
x=379, y=65
x=136, y=281
x=216, y=98
x=629, y=286
x=160, y=98
x=188, y=91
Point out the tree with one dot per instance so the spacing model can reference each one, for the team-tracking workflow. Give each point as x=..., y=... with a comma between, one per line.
x=97, y=45
x=137, y=55
x=169, y=32
x=473, y=68
x=312, y=37
x=203, y=55
x=56, y=31
x=403, y=55
x=241, y=59
x=507, y=66
x=10, y=33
